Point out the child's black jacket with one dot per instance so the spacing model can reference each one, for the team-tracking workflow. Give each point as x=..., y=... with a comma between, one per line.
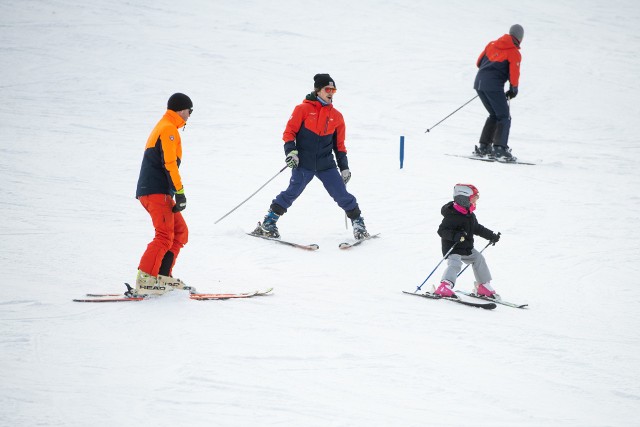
x=455, y=222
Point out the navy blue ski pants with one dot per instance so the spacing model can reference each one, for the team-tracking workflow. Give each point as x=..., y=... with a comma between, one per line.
x=496, y=104
x=331, y=179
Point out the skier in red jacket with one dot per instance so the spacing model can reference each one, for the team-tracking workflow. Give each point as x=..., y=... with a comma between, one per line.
x=498, y=63
x=315, y=133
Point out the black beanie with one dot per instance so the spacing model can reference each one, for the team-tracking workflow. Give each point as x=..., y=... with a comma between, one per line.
x=179, y=102
x=322, y=80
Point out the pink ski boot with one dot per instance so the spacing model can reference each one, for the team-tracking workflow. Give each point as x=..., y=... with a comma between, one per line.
x=485, y=290
x=444, y=290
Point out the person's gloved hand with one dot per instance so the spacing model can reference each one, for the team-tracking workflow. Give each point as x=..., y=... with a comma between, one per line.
x=292, y=159
x=495, y=238
x=346, y=175
x=459, y=236
x=181, y=201
x=512, y=92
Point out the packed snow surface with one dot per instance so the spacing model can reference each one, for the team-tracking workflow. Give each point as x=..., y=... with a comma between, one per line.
x=338, y=343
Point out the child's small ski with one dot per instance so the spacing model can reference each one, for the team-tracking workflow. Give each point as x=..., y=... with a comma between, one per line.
x=484, y=305
x=507, y=303
x=310, y=247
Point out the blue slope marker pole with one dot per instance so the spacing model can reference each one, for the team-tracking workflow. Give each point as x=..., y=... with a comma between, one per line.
x=401, y=151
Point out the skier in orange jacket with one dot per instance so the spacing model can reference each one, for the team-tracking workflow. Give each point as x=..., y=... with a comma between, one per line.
x=158, y=183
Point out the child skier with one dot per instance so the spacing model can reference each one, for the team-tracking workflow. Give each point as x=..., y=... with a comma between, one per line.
x=458, y=227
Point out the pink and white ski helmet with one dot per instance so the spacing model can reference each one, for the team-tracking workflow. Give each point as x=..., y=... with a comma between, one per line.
x=463, y=193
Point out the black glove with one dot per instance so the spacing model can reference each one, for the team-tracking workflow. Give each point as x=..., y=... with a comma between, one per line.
x=181, y=202
x=459, y=236
x=512, y=92
x=495, y=237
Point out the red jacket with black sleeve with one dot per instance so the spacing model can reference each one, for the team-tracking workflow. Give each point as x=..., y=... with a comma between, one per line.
x=318, y=132
x=498, y=63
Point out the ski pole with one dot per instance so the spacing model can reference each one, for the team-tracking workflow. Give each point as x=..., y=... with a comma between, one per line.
x=467, y=266
x=346, y=227
x=434, y=270
x=429, y=130
x=245, y=200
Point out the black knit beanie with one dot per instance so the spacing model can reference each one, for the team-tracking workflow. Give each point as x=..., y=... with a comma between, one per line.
x=322, y=80
x=179, y=102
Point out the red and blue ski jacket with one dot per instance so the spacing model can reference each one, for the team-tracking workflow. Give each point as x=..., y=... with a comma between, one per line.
x=317, y=131
x=498, y=63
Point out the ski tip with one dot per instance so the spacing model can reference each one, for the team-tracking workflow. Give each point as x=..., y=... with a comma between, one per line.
x=103, y=295
x=310, y=247
x=118, y=299
x=347, y=245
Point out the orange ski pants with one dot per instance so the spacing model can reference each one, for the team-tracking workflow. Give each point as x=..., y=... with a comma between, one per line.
x=171, y=232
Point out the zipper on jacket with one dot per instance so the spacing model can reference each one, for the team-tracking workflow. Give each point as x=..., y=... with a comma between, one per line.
x=326, y=125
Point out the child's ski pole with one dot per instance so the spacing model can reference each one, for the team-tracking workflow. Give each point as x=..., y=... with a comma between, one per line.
x=467, y=266
x=433, y=271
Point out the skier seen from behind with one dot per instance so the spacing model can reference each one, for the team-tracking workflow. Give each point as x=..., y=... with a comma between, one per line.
x=458, y=227
x=315, y=133
x=498, y=63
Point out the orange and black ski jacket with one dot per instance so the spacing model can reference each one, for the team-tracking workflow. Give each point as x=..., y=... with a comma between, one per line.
x=498, y=63
x=162, y=156
x=316, y=131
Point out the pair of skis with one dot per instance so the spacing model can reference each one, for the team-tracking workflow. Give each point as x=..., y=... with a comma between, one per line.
x=489, y=159
x=196, y=296
x=489, y=303
x=313, y=246
x=500, y=301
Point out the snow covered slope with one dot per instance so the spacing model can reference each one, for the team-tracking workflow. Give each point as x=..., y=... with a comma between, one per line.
x=337, y=344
